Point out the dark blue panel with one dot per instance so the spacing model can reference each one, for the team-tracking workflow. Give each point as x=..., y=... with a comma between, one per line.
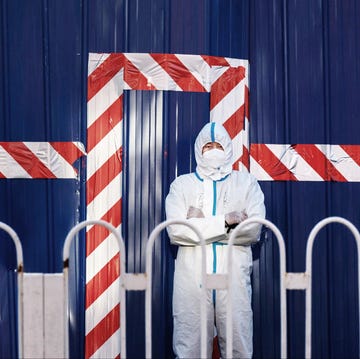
x=187, y=114
x=267, y=73
x=42, y=212
x=229, y=23
x=66, y=69
x=188, y=27
x=146, y=26
x=343, y=47
x=107, y=26
x=25, y=93
x=305, y=75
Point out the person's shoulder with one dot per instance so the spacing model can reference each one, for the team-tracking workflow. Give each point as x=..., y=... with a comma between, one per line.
x=242, y=176
x=185, y=178
x=244, y=173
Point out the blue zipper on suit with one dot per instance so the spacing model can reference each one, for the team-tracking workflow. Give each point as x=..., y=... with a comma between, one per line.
x=214, y=244
x=212, y=134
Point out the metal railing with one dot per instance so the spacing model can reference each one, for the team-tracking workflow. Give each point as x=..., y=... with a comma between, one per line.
x=66, y=254
x=20, y=267
x=308, y=273
x=283, y=305
x=143, y=281
x=148, y=320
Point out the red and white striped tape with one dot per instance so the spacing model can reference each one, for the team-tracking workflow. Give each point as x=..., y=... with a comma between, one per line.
x=340, y=163
x=108, y=76
x=39, y=159
x=229, y=106
x=104, y=166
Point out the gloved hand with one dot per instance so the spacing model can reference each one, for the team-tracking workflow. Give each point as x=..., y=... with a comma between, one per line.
x=194, y=212
x=232, y=219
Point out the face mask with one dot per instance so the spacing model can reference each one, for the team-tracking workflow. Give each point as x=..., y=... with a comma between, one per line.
x=214, y=158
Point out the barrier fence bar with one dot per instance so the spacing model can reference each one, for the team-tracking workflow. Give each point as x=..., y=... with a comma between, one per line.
x=283, y=305
x=148, y=319
x=216, y=281
x=20, y=269
x=309, y=249
x=66, y=253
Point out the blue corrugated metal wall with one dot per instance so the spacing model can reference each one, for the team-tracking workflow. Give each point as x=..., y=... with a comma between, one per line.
x=42, y=98
x=304, y=85
x=304, y=89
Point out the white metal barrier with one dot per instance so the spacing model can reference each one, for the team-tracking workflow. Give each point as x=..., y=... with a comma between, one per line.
x=66, y=255
x=293, y=281
x=283, y=306
x=216, y=281
x=43, y=316
x=20, y=267
x=290, y=281
x=143, y=281
x=307, y=275
x=37, y=331
x=148, y=320
x=128, y=281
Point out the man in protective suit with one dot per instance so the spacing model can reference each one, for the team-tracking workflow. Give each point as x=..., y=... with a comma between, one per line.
x=214, y=199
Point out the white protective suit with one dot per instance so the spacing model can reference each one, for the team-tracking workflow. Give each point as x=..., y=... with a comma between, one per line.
x=216, y=191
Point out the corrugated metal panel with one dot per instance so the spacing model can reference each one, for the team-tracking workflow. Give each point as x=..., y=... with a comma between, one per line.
x=42, y=99
x=304, y=84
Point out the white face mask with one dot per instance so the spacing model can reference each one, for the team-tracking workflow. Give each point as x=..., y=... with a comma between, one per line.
x=214, y=158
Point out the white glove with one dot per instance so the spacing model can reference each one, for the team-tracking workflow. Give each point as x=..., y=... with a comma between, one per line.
x=194, y=212
x=232, y=219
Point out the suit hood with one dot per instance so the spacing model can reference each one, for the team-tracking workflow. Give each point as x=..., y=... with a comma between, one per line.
x=213, y=132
